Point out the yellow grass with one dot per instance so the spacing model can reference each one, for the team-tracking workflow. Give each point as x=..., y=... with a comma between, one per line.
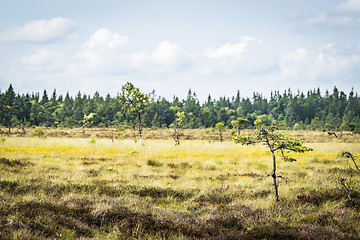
x=216, y=176
x=202, y=162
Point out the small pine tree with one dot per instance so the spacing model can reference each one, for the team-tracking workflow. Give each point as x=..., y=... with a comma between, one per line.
x=275, y=141
x=2, y=139
x=220, y=126
x=38, y=132
x=180, y=118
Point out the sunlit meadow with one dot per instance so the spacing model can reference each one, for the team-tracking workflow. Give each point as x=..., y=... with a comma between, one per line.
x=69, y=188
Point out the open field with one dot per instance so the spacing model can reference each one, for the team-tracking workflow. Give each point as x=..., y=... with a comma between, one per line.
x=64, y=187
x=167, y=134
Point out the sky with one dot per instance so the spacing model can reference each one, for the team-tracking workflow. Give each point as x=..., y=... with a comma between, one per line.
x=214, y=47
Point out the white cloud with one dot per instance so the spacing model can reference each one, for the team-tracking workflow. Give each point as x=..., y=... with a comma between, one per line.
x=241, y=57
x=103, y=42
x=350, y=6
x=232, y=50
x=39, y=31
x=168, y=57
x=227, y=50
x=102, y=54
x=319, y=19
x=166, y=51
x=335, y=21
x=294, y=64
x=344, y=16
x=328, y=64
x=43, y=61
x=41, y=58
x=331, y=63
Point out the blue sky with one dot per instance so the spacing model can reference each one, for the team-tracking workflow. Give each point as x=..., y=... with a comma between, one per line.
x=213, y=47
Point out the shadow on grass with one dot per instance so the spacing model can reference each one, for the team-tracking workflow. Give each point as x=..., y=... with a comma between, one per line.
x=320, y=197
x=56, y=190
x=156, y=193
x=48, y=218
x=14, y=163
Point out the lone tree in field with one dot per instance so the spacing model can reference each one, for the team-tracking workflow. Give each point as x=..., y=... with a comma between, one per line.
x=238, y=124
x=275, y=141
x=180, y=117
x=220, y=126
x=134, y=102
x=87, y=120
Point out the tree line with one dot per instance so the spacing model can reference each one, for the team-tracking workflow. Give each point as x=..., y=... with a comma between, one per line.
x=311, y=110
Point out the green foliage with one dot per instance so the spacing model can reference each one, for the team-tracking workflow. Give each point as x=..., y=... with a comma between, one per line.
x=134, y=102
x=132, y=99
x=278, y=141
x=2, y=138
x=93, y=139
x=87, y=121
x=281, y=141
x=264, y=120
x=275, y=141
x=38, y=132
x=122, y=129
x=244, y=140
x=180, y=118
x=238, y=124
x=220, y=126
x=332, y=111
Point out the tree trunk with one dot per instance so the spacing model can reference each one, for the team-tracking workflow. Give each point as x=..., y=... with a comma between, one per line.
x=273, y=175
x=140, y=127
x=176, y=134
x=9, y=123
x=352, y=158
x=135, y=133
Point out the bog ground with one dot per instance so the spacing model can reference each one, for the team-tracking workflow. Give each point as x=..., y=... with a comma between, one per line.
x=65, y=187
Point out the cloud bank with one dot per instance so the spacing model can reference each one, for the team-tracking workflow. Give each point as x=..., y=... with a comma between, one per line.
x=105, y=58
x=39, y=31
x=350, y=6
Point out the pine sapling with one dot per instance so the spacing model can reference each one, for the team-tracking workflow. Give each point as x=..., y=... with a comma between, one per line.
x=276, y=142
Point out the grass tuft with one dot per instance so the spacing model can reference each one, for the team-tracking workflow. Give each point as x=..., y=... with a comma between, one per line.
x=154, y=163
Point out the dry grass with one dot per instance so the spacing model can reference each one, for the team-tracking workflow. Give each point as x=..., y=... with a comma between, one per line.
x=209, y=135
x=68, y=188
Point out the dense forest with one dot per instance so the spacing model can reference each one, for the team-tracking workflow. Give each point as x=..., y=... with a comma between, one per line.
x=311, y=110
